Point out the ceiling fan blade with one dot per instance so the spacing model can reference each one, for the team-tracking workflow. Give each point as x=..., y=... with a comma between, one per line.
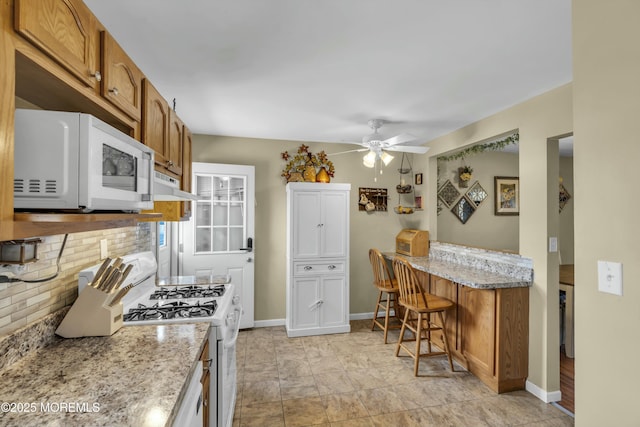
x=417, y=149
x=349, y=151
x=398, y=139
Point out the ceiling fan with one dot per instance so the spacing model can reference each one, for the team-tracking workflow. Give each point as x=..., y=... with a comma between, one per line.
x=377, y=147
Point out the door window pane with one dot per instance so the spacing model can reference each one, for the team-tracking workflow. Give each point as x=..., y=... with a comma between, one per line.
x=203, y=187
x=203, y=213
x=203, y=239
x=236, y=240
x=220, y=239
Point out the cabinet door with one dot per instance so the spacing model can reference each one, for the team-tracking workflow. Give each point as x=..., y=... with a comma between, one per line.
x=186, y=170
x=63, y=29
x=334, y=224
x=306, y=224
x=205, y=380
x=122, y=79
x=155, y=122
x=333, y=310
x=174, y=152
x=306, y=303
x=477, y=310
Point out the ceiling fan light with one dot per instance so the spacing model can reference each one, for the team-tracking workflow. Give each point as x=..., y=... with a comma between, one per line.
x=369, y=160
x=386, y=158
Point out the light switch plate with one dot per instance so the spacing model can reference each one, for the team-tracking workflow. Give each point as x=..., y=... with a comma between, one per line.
x=610, y=277
x=553, y=244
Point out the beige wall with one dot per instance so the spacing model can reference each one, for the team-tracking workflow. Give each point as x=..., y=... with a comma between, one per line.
x=23, y=303
x=484, y=228
x=367, y=229
x=537, y=119
x=606, y=98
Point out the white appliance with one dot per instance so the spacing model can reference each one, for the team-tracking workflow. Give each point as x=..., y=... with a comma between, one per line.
x=167, y=189
x=187, y=299
x=74, y=161
x=190, y=412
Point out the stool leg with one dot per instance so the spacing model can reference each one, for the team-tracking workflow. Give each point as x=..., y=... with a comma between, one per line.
x=404, y=325
x=375, y=313
x=386, y=317
x=446, y=340
x=418, y=339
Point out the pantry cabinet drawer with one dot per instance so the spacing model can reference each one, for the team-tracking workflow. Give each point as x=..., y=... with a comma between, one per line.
x=303, y=268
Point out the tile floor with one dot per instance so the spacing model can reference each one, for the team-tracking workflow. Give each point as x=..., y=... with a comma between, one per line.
x=354, y=380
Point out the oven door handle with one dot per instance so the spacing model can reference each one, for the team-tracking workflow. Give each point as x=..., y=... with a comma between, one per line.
x=232, y=342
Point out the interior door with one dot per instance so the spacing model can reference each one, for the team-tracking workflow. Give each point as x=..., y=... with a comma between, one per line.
x=218, y=239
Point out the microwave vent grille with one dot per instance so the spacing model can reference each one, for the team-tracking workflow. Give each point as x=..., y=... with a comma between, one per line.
x=49, y=186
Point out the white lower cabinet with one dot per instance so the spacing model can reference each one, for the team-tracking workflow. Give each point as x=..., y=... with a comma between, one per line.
x=318, y=305
x=317, y=259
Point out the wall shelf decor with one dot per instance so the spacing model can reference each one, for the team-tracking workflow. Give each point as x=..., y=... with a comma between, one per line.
x=376, y=196
x=406, y=193
x=448, y=193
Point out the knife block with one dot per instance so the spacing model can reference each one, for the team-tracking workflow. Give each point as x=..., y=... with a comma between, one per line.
x=91, y=316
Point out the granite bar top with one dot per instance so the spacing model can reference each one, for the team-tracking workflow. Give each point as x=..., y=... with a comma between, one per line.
x=473, y=267
x=135, y=377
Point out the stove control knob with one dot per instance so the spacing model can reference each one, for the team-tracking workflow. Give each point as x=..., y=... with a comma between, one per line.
x=235, y=300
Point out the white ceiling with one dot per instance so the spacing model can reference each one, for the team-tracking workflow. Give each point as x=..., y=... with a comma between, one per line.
x=319, y=70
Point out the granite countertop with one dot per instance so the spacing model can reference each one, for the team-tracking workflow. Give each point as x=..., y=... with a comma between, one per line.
x=135, y=377
x=463, y=274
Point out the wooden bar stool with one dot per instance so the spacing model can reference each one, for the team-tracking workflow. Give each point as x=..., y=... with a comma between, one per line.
x=387, y=286
x=419, y=306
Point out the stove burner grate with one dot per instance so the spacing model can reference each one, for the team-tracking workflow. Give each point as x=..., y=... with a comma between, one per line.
x=171, y=310
x=193, y=291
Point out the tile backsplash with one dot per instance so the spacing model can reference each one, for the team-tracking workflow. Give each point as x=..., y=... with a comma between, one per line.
x=22, y=303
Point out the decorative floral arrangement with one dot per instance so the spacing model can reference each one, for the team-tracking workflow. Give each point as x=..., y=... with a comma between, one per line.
x=298, y=163
x=465, y=173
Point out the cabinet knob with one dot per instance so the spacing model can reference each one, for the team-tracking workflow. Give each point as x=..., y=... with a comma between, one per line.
x=169, y=163
x=114, y=91
x=332, y=267
x=97, y=75
x=320, y=225
x=308, y=267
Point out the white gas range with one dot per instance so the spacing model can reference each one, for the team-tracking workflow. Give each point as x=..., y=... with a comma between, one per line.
x=187, y=299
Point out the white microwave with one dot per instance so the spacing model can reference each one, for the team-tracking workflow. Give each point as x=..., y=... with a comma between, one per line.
x=76, y=162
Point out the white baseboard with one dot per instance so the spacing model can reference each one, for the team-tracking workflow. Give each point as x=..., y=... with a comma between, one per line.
x=361, y=316
x=281, y=322
x=268, y=323
x=545, y=396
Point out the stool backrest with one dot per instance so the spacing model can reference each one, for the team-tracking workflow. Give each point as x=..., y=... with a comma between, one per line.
x=381, y=274
x=410, y=290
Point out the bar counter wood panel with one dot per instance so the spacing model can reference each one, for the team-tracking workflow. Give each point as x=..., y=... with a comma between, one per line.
x=488, y=330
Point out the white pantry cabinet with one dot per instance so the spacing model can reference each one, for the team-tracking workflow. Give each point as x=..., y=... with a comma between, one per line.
x=317, y=258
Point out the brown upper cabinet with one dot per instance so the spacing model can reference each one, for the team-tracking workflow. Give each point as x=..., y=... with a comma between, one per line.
x=66, y=31
x=186, y=170
x=176, y=136
x=163, y=131
x=122, y=79
x=155, y=122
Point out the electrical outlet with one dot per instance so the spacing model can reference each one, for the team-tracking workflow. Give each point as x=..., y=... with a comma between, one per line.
x=610, y=277
x=104, y=252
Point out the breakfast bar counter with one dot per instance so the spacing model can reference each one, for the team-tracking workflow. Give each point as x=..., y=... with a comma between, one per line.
x=137, y=376
x=488, y=325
